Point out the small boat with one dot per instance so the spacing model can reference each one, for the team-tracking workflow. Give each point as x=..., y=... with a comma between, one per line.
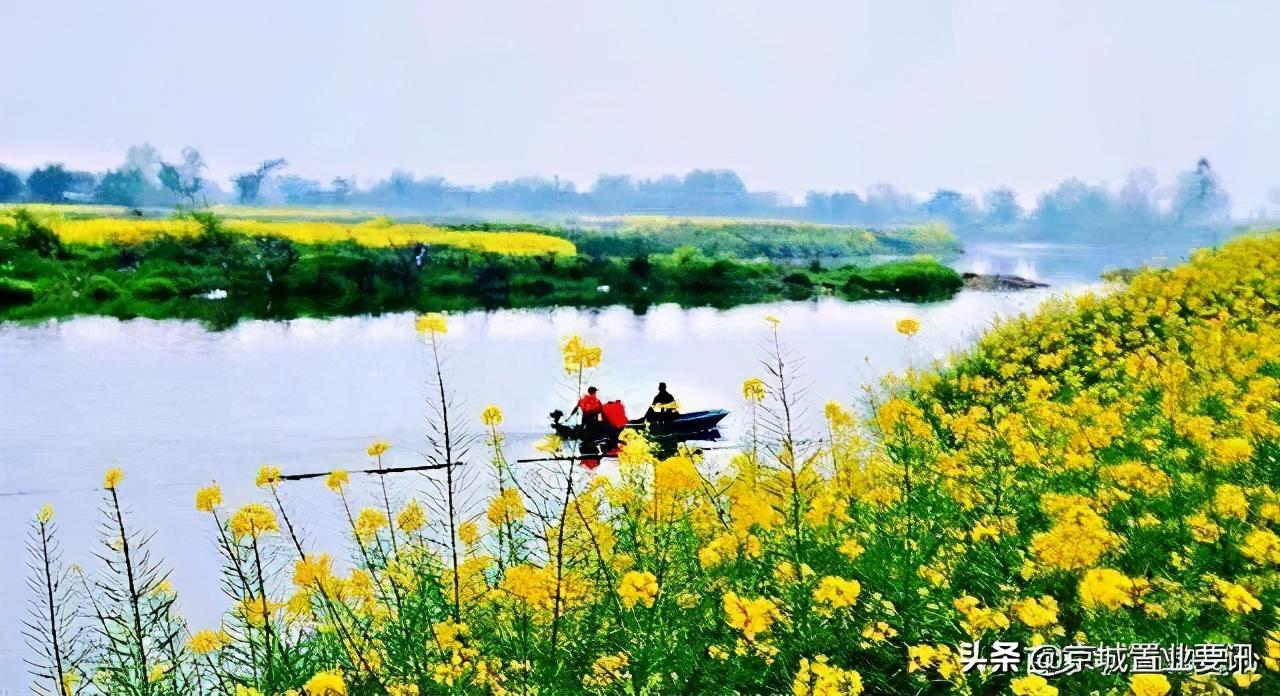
x=699, y=426
x=684, y=426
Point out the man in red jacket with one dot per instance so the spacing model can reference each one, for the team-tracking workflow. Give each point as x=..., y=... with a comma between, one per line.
x=591, y=409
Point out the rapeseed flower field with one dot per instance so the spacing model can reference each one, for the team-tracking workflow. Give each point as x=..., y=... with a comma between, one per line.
x=88, y=226
x=1104, y=471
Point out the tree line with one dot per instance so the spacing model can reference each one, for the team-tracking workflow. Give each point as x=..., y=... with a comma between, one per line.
x=146, y=179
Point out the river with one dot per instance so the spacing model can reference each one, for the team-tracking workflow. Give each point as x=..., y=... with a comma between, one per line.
x=176, y=405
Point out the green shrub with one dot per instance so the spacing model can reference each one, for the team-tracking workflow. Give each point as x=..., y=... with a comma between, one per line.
x=155, y=289
x=101, y=288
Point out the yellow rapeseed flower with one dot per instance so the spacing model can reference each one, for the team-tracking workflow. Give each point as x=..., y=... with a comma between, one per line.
x=1149, y=685
x=45, y=514
x=579, y=355
x=751, y=616
x=469, y=533
x=491, y=416
x=412, y=517
x=313, y=571
x=267, y=476
x=1106, y=588
x=112, y=478
x=449, y=635
x=754, y=390
x=638, y=587
x=252, y=520
x=208, y=498
x=820, y=678
x=908, y=327
x=1032, y=685
x=379, y=447
x=431, y=324
x=337, y=480
x=506, y=507
x=206, y=641
x=834, y=593
x=326, y=684
x=550, y=444
x=369, y=522
x=1235, y=598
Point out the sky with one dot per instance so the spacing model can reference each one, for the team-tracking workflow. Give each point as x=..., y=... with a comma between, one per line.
x=792, y=95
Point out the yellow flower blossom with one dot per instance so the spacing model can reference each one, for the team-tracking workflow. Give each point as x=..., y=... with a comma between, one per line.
x=506, y=507
x=449, y=635
x=369, y=522
x=326, y=684
x=469, y=533
x=45, y=514
x=1235, y=598
x=821, y=678
x=1032, y=685
x=1229, y=501
x=491, y=416
x=205, y=641
x=607, y=671
x=579, y=356
x=1037, y=613
x=252, y=520
x=267, y=476
x=908, y=327
x=1149, y=685
x=431, y=324
x=751, y=616
x=754, y=390
x=834, y=593
x=412, y=517
x=337, y=480
x=1106, y=588
x=638, y=587
x=208, y=498
x=112, y=478
x=378, y=448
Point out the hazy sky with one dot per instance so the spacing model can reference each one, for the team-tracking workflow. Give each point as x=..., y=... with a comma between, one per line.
x=793, y=95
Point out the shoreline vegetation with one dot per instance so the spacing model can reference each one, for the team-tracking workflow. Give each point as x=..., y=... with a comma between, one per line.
x=223, y=265
x=1100, y=473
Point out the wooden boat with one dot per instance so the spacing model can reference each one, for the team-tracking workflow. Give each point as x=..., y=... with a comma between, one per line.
x=667, y=432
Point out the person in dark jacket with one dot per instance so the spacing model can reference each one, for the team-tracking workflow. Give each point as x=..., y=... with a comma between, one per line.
x=664, y=407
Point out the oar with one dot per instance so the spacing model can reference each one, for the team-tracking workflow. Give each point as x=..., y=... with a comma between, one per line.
x=384, y=470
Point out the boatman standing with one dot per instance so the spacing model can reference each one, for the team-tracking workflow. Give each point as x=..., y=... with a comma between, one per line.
x=591, y=409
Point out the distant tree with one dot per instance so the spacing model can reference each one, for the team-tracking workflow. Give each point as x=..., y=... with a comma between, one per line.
x=50, y=184
x=183, y=180
x=11, y=186
x=1200, y=197
x=121, y=187
x=1073, y=206
x=249, y=184
x=887, y=204
x=845, y=206
x=144, y=158
x=613, y=193
x=951, y=206
x=1000, y=206
x=1137, y=200
x=299, y=191
x=713, y=190
x=342, y=189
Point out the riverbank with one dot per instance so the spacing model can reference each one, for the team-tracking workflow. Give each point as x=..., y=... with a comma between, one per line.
x=220, y=271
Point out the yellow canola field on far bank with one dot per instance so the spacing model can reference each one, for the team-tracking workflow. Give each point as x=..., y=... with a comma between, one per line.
x=379, y=232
